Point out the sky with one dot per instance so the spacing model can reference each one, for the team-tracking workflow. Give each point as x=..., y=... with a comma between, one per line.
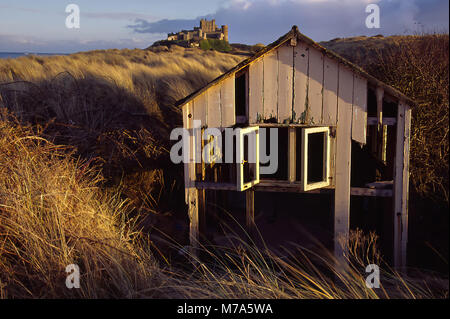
x=40, y=26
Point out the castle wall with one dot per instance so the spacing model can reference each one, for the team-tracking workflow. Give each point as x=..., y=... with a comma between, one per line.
x=207, y=30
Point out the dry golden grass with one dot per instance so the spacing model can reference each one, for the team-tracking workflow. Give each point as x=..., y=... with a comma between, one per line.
x=114, y=106
x=172, y=75
x=53, y=214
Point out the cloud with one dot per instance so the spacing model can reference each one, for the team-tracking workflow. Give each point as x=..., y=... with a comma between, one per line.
x=252, y=21
x=119, y=16
x=32, y=10
x=162, y=26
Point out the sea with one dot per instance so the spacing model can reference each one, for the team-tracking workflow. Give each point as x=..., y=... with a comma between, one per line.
x=13, y=55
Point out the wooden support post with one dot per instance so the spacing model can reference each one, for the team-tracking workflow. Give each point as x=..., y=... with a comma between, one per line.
x=250, y=212
x=202, y=212
x=193, y=224
x=401, y=185
x=343, y=160
x=292, y=156
x=189, y=180
x=381, y=128
x=202, y=193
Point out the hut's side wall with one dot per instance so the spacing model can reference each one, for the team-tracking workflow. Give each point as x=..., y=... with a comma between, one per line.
x=216, y=106
x=299, y=85
x=289, y=85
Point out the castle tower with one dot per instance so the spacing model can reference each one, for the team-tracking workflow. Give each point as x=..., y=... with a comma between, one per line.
x=202, y=25
x=208, y=26
x=225, y=32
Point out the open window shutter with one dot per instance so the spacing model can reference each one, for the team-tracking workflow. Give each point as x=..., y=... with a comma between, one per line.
x=247, y=158
x=315, y=164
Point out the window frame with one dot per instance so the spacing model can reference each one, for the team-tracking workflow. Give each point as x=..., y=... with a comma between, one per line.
x=304, y=160
x=240, y=185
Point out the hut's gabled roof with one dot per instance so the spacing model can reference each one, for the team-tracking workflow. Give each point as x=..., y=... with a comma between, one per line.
x=295, y=33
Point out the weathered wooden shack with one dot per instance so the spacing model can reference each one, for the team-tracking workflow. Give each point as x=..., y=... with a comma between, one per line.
x=327, y=109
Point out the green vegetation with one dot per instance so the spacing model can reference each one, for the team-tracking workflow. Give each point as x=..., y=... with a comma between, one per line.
x=215, y=44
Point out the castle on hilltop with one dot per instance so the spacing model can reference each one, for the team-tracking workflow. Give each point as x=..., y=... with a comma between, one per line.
x=206, y=30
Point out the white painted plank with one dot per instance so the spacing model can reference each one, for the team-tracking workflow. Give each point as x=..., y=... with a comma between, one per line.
x=191, y=193
x=343, y=159
x=315, y=97
x=270, y=85
x=330, y=88
x=285, y=82
x=187, y=123
x=201, y=109
x=405, y=193
x=227, y=102
x=359, y=119
x=256, y=78
x=193, y=223
x=332, y=158
x=301, y=55
x=401, y=185
x=292, y=158
x=214, y=113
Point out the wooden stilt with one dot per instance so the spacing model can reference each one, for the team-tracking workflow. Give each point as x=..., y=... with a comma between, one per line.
x=401, y=185
x=343, y=161
x=250, y=213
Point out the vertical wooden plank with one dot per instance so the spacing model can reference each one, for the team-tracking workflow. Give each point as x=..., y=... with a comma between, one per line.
x=292, y=156
x=343, y=159
x=270, y=61
x=191, y=191
x=201, y=214
x=256, y=78
x=214, y=113
x=330, y=91
x=359, y=118
x=401, y=185
x=301, y=55
x=201, y=109
x=333, y=155
x=379, y=92
x=380, y=136
x=189, y=167
x=250, y=212
x=315, y=97
x=405, y=193
x=247, y=96
x=227, y=102
x=383, y=143
x=193, y=224
x=285, y=82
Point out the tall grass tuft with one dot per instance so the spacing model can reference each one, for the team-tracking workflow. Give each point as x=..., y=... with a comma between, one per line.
x=52, y=214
